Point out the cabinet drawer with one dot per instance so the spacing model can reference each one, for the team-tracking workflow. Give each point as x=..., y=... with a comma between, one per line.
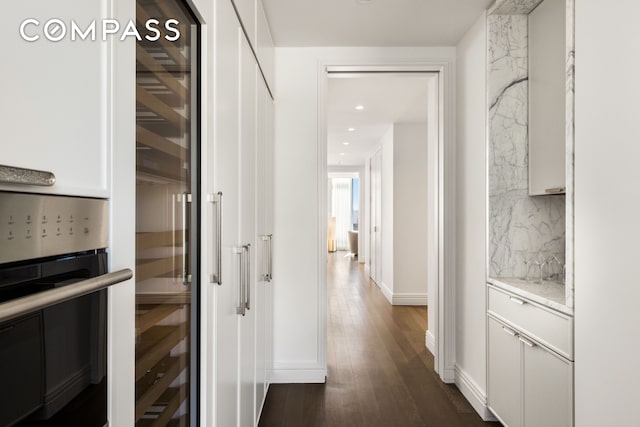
x=549, y=327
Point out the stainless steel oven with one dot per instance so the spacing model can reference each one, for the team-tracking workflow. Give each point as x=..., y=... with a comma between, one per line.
x=53, y=310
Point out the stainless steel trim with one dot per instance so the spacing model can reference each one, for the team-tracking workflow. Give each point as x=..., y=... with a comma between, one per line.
x=247, y=275
x=269, y=263
x=509, y=331
x=526, y=342
x=270, y=259
x=555, y=190
x=31, y=303
x=39, y=225
x=517, y=300
x=240, y=309
x=24, y=176
x=186, y=277
x=217, y=276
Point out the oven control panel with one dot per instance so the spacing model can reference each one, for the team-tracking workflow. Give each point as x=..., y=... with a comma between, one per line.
x=35, y=225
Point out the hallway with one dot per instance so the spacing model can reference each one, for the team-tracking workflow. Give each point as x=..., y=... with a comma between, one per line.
x=380, y=372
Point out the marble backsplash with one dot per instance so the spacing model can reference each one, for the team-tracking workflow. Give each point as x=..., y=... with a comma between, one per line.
x=521, y=227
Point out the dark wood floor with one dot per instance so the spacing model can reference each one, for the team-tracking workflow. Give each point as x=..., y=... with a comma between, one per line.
x=380, y=373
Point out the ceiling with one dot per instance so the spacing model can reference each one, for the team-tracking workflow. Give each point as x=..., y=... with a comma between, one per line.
x=387, y=99
x=371, y=22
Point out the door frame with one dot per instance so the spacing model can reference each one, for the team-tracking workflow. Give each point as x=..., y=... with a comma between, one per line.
x=440, y=336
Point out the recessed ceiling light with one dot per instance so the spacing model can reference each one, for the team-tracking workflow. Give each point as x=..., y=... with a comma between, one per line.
x=351, y=129
x=345, y=143
x=342, y=154
x=359, y=107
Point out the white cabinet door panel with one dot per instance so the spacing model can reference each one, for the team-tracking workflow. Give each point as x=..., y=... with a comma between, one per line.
x=55, y=97
x=504, y=380
x=261, y=245
x=226, y=180
x=248, y=77
x=548, y=389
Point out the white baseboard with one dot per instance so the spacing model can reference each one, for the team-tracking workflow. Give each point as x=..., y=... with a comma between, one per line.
x=291, y=376
x=404, y=298
x=388, y=294
x=448, y=376
x=473, y=394
x=409, y=299
x=430, y=342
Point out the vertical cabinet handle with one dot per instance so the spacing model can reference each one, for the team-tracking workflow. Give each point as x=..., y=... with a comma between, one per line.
x=240, y=309
x=247, y=275
x=268, y=275
x=216, y=277
x=244, y=278
x=185, y=199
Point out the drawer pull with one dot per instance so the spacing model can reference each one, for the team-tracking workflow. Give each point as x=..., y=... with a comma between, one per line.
x=517, y=300
x=509, y=331
x=527, y=342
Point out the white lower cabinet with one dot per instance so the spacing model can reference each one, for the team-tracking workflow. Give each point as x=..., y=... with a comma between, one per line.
x=547, y=387
x=528, y=384
x=504, y=373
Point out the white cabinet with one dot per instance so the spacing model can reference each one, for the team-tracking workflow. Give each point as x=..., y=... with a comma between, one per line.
x=225, y=159
x=504, y=373
x=263, y=277
x=528, y=384
x=547, y=388
x=243, y=173
x=547, y=97
x=247, y=236
x=55, y=98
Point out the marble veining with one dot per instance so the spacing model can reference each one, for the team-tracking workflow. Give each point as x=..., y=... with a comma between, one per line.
x=569, y=146
x=521, y=227
x=513, y=7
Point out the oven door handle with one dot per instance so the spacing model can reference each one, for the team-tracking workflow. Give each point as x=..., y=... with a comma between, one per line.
x=18, y=307
x=24, y=176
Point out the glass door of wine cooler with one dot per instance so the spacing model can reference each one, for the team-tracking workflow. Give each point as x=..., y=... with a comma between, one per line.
x=167, y=200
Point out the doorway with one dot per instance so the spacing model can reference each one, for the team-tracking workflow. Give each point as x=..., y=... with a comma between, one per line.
x=438, y=339
x=344, y=212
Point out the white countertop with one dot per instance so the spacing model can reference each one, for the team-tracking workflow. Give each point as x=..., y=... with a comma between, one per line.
x=550, y=294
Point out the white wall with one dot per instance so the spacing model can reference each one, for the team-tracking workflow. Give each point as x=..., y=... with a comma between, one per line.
x=386, y=189
x=410, y=213
x=607, y=212
x=471, y=215
x=299, y=327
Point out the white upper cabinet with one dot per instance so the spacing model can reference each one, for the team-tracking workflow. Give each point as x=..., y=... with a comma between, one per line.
x=247, y=11
x=547, y=96
x=55, y=99
x=264, y=46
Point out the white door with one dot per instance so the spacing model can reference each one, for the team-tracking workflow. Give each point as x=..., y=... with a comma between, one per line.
x=247, y=236
x=226, y=179
x=375, y=270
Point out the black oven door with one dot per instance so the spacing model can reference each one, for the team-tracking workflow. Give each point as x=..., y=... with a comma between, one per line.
x=53, y=361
